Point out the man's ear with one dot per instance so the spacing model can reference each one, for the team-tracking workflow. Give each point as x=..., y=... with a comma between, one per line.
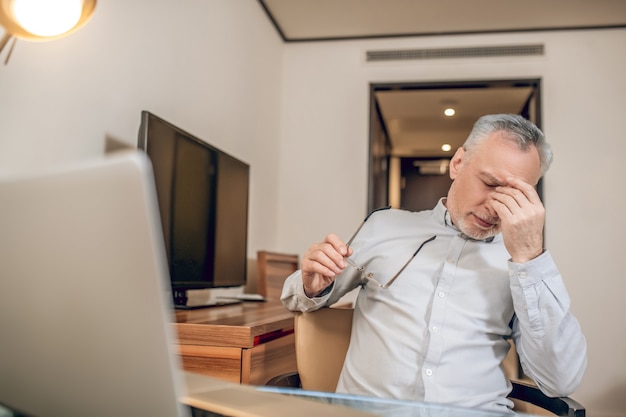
x=456, y=163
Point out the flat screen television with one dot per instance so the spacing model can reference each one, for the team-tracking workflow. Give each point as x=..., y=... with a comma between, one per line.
x=202, y=195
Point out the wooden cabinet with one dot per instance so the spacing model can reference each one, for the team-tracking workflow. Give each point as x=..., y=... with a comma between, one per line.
x=248, y=343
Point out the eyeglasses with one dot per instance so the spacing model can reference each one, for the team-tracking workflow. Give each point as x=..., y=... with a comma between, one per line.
x=368, y=276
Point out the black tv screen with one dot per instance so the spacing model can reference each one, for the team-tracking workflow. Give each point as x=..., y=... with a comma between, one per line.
x=203, y=201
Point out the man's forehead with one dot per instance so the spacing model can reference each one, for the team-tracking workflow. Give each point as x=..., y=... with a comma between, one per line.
x=497, y=159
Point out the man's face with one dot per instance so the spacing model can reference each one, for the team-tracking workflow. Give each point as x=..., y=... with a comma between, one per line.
x=476, y=175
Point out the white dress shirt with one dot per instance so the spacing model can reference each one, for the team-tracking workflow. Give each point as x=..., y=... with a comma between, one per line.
x=439, y=332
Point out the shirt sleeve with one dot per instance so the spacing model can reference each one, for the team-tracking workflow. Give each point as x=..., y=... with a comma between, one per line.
x=548, y=338
x=294, y=298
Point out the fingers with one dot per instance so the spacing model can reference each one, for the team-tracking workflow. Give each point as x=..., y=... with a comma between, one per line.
x=337, y=244
x=520, y=190
x=522, y=216
x=326, y=258
x=322, y=262
x=516, y=197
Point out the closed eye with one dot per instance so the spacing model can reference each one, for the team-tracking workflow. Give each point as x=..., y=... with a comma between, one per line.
x=490, y=181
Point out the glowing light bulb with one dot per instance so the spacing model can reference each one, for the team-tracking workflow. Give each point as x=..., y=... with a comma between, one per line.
x=46, y=17
x=446, y=147
x=449, y=112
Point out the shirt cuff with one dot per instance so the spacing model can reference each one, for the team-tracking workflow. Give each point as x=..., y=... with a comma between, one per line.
x=323, y=294
x=533, y=271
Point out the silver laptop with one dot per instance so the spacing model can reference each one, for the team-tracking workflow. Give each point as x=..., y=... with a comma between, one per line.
x=84, y=305
x=85, y=310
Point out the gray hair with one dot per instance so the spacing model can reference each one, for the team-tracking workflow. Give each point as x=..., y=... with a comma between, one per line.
x=516, y=128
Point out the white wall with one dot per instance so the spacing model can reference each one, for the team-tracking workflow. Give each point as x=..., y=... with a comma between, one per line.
x=325, y=145
x=212, y=67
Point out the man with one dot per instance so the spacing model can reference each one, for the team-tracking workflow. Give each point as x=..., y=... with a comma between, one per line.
x=442, y=290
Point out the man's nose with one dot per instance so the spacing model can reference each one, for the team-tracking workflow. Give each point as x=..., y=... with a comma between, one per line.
x=492, y=212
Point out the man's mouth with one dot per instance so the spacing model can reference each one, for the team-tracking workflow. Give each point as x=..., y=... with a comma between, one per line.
x=485, y=223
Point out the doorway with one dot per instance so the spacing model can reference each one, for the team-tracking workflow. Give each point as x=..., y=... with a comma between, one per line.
x=408, y=162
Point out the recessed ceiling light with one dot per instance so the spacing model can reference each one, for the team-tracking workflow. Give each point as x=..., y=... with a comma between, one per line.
x=446, y=147
x=449, y=112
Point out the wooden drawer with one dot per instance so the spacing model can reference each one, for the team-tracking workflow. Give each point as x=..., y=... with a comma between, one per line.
x=253, y=366
x=265, y=361
x=219, y=362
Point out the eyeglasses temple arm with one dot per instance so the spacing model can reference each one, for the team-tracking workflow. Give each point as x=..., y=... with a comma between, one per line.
x=363, y=222
x=408, y=262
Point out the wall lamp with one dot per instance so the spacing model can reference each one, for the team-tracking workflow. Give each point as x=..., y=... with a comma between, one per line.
x=41, y=20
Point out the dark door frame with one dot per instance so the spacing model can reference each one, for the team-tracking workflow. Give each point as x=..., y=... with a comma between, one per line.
x=380, y=145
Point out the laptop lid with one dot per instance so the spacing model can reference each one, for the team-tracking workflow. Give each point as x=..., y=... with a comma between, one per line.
x=84, y=303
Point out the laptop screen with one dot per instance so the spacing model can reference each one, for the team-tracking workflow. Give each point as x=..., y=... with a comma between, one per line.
x=84, y=304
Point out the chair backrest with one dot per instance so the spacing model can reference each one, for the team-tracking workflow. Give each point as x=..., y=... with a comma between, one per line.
x=323, y=337
x=273, y=268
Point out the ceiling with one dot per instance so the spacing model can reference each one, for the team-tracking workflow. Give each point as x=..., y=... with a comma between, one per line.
x=413, y=117
x=307, y=20
x=416, y=123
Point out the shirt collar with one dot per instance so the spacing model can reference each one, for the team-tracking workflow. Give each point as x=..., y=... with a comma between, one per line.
x=441, y=214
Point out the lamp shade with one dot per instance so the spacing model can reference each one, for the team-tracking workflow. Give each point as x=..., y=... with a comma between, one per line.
x=29, y=19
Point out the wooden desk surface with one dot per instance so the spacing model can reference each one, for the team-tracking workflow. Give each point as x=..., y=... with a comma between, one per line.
x=233, y=325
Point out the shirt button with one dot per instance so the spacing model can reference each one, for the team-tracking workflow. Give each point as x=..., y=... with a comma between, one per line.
x=429, y=372
x=450, y=260
x=441, y=294
x=522, y=274
x=435, y=329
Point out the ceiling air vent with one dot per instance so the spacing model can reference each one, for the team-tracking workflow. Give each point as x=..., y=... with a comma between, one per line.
x=469, y=52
